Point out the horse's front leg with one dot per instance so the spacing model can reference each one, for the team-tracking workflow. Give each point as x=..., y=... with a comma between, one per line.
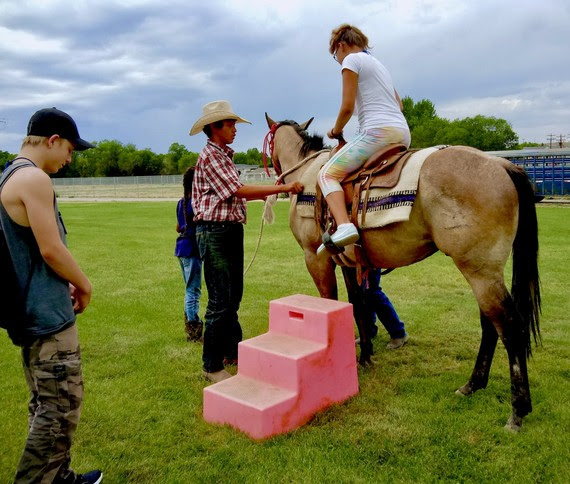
x=322, y=271
x=356, y=298
x=480, y=376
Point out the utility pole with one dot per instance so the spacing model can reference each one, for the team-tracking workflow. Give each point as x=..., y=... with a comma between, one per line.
x=558, y=139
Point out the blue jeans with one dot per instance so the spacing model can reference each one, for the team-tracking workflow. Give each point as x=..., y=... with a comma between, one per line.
x=192, y=274
x=221, y=250
x=378, y=304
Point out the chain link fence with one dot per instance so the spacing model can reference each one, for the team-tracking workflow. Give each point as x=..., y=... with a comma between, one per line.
x=120, y=187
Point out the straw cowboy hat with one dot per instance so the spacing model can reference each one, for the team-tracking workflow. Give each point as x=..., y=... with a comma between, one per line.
x=215, y=111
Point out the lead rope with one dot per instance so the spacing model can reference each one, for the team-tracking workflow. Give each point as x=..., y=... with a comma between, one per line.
x=268, y=215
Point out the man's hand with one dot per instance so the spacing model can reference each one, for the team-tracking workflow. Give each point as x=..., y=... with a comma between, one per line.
x=294, y=188
x=80, y=299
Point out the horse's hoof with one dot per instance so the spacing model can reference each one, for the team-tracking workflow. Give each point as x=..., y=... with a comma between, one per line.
x=464, y=390
x=514, y=424
x=365, y=360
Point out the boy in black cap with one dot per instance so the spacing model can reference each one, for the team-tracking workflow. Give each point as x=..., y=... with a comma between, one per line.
x=53, y=289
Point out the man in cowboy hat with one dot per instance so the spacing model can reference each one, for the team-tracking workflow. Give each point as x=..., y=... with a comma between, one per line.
x=219, y=203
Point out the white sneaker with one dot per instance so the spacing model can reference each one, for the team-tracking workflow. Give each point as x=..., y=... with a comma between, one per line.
x=345, y=234
x=396, y=343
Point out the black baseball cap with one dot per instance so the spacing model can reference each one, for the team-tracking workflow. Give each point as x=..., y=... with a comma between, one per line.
x=49, y=121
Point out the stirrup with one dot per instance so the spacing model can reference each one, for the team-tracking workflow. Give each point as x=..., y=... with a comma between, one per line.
x=330, y=245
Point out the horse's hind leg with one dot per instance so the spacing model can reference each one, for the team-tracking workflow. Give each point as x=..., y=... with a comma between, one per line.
x=497, y=308
x=480, y=375
x=515, y=339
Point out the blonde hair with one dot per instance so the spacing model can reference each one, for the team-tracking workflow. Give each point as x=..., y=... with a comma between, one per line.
x=33, y=140
x=348, y=34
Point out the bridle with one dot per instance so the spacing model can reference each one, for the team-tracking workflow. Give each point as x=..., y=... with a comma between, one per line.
x=268, y=142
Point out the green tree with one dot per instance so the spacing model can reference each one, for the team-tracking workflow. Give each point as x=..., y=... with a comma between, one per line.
x=127, y=159
x=148, y=163
x=484, y=133
x=429, y=133
x=108, y=153
x=418, y=113
x=175, y=152
x=489, y=133
x=188, y=159
x=254, y=157
x=85, y=163
x=240, y=158
x=4, y=158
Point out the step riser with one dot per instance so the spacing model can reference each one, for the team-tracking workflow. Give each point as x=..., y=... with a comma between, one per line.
x=303, y=365
x=308, y=321
x=272, y=368
x=261, y=423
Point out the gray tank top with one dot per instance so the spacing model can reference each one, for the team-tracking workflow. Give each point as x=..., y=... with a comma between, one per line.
x=47, y=299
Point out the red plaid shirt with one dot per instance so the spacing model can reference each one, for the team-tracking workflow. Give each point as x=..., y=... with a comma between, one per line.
x=215, y=181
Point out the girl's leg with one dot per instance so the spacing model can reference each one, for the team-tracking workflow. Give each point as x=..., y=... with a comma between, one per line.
x=193, y=289
x=348, y=159
x=192, y=274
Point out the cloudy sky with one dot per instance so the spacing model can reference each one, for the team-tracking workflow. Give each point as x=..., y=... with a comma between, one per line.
x=139, y=71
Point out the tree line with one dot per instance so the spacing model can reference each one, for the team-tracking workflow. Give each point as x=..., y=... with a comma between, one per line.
x=113, y=158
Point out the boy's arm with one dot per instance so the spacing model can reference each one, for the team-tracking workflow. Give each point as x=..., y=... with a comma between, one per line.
x=37, y=198
x=255, y=192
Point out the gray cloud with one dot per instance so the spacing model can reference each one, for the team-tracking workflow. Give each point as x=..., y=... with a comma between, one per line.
x=139, y=71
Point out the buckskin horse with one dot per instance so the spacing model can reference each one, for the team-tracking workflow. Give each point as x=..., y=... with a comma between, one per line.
x=474, y=208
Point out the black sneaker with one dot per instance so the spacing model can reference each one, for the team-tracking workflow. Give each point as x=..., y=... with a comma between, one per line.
x=92, y=477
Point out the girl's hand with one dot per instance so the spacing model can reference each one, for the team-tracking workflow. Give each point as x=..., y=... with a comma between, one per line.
x=332, y=135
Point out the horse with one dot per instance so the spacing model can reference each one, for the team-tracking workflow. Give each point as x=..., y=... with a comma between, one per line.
x=474, y=208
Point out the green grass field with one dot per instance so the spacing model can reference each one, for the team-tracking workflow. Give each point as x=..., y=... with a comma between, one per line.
x=142, y=421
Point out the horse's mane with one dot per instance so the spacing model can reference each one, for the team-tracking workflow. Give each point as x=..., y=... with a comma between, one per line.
x=311, y=143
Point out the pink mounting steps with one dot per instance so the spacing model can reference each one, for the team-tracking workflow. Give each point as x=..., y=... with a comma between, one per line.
x=305, y=363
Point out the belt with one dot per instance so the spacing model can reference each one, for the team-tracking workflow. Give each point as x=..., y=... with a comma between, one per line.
x=209, y=223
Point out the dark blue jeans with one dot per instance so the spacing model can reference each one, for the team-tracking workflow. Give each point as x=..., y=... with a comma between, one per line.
x=221, y=250
x=378, y=304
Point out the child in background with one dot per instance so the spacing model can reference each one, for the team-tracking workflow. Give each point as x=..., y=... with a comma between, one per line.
x=187, y=252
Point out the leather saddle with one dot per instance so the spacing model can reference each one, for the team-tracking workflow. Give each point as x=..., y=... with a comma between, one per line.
x=381, y=170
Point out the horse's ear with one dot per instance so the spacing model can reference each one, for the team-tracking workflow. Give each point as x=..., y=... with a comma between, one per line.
x=270, y=122
x=305, y=125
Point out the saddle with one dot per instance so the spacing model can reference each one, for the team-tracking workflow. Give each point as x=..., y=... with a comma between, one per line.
x=381, y=170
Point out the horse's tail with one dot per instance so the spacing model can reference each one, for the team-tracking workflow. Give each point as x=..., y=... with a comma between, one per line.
x=525, y=281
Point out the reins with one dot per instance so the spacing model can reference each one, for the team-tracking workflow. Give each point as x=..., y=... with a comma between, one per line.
x=268, y=142
x=299, y=165
x=268, y=214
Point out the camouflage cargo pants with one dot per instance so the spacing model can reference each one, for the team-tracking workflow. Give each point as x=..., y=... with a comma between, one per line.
x=52, y=366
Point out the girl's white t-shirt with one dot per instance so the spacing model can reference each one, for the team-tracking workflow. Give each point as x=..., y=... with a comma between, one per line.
x=376, y=103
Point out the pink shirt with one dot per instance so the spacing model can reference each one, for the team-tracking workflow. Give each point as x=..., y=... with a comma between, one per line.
x=215, y=181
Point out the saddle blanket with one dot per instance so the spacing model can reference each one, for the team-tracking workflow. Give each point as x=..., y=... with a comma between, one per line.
x=385, y=205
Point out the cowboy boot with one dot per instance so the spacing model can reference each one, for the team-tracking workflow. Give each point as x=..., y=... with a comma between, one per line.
x=193, y=330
